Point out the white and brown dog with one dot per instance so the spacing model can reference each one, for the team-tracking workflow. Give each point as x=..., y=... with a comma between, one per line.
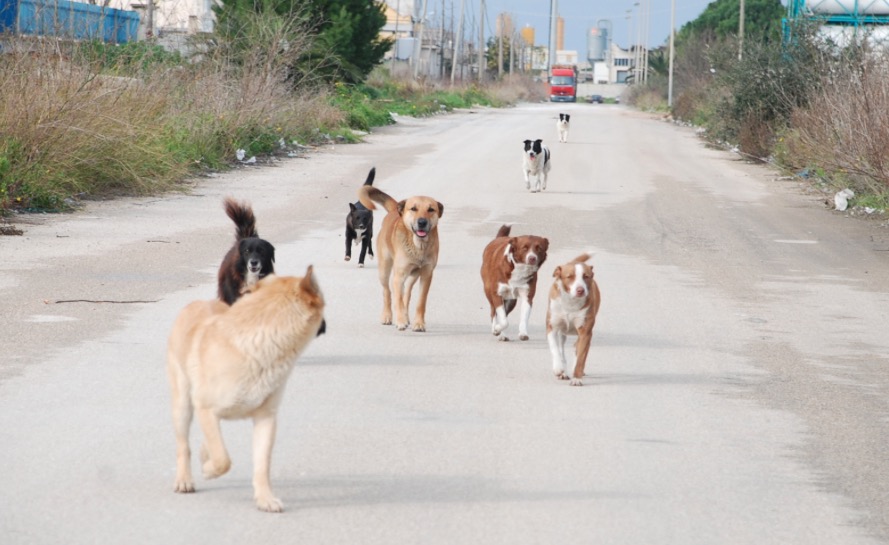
x=407, y=246
x=562, y=127
x=509, y=273
x=573, y=305
x=535, y=162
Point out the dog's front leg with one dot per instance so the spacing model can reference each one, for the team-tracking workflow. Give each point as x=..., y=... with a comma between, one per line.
x=365, y=245
x=214, y=457
x=556, y=341
x=402, y=297
x=420, y=313
x=581, y=349
x=526, y=314
x=527, y=173
x=264, y=429
x=348, y=245
x=499, y=321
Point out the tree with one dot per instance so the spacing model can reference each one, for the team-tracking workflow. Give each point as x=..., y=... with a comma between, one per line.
x=762, y=19
x=347, y=43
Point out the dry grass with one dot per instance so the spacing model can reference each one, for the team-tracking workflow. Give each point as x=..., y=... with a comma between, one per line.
x=845, y=129
x=77, y=123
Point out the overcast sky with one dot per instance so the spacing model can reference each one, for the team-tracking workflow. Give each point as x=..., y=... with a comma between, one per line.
x=579, y=15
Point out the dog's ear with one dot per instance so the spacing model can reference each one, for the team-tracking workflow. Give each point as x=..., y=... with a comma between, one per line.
x=400, y=207
x=527, y=142
x=558, y=272
x=308, y=283
x=351, y=207
x=546, y=244
x=538, y=141
x=440, y=208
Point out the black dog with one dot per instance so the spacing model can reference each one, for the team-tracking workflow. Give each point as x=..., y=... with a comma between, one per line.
x=251, y=257
x=360, y=226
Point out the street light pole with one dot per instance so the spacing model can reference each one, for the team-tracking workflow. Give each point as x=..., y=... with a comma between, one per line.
x=672, y=38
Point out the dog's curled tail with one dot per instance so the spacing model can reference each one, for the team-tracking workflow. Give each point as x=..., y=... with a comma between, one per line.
x=582, y=258
x=242, y=215
x=368, y=194
x=504, y=231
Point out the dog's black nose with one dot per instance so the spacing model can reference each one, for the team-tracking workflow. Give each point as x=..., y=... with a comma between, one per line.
x=323, y=329
x=422, y=223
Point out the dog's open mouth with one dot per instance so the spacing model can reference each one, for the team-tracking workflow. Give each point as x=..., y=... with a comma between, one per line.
x=420, y=233
x=255, y=269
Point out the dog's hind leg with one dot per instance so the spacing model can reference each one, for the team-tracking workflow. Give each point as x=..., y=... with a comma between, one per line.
x=365, y=246
x=385, y=278
x=214, y=457
x=182, y=416
x=349, y=246
x=264, y=428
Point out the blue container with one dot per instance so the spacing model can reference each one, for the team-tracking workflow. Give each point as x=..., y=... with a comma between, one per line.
x=65, y=19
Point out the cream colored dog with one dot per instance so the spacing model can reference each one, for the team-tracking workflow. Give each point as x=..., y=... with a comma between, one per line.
x=233, y=362
x=407, y=247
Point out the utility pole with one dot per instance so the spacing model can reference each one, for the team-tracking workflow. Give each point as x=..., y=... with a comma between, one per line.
x=553, y=14
x=672, y=37
x=457, y=41
x=420, y=40
x=149, y=16
x=395, y=42
x=481, y=41
x=500, y=47
x=741, y=33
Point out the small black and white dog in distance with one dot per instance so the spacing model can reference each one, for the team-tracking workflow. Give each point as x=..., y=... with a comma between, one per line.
x=562, y=127
x=536, y=164
x=360, y=226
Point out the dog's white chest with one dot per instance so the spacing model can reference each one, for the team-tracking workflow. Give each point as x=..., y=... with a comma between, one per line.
x=567, y=313
x=519, y=281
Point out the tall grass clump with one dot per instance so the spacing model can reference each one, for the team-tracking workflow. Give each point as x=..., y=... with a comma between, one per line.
x=96, y=119
x=844, y=129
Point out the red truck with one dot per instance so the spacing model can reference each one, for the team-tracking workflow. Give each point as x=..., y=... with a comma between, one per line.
x=563, y=83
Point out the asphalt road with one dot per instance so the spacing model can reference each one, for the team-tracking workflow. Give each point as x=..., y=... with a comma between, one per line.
x=737, y=389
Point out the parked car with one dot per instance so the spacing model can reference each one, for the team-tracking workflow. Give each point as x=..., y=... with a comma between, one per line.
x=596, y=99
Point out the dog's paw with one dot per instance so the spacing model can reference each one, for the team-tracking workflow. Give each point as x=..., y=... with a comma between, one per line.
x=575, y=382
x=386, y=319
x=523, y=337
x=420, y=328
x=361, y=265
x=269, y=503
x=213, y=468
x=183, y=486
x=503, y=339
x=348, y=258
x=562, y=375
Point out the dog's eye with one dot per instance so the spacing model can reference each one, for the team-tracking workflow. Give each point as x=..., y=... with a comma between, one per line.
x=431, y=210
x=413, y=209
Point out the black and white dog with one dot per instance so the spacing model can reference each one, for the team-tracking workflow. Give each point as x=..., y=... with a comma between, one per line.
x=536, y=163
x=562, y=127
x=360, y=226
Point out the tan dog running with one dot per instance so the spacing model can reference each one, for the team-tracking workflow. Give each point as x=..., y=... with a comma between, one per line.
x=573, y=305
x=233, y=362
x=407, y=247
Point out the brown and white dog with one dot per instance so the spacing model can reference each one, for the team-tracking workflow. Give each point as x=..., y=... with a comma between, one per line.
x=509, y=274
x=407, y=247
x=573, y=305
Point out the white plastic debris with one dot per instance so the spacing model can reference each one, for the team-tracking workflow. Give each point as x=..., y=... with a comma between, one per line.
x=250, y=161
x=240, y=154
x=841, y=199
